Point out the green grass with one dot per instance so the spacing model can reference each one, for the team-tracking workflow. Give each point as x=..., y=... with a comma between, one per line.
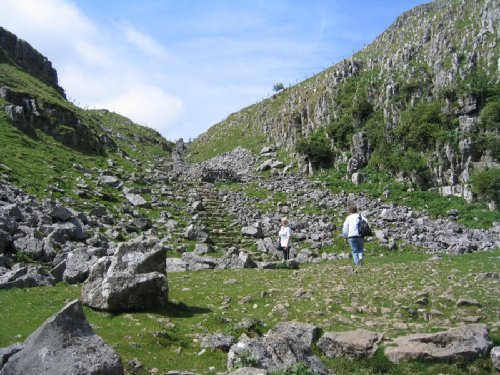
x=381, y=296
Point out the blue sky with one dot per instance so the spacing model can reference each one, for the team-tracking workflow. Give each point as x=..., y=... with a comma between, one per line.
x=180, y=66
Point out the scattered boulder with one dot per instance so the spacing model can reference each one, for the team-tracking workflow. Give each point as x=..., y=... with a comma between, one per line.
x=112, y=181
x=266, y=165
x=60, y=214
x=202, y=248
x=306, y=332
x=64, y=344
x=217, y=341
x=26, y=277
x=468, y=342
x=176, y=265
x=276, y=351
x=77, y=266
x=196, y=233
x=197, y=262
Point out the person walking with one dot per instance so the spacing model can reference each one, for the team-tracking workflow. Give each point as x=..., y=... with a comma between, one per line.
x=350, y=231
x=285, y=238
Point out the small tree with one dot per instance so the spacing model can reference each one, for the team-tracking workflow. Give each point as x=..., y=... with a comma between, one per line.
x=486, y=184
x=278, y=87
x=316, y=147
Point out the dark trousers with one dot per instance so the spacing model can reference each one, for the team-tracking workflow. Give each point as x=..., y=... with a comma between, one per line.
x=286, y=252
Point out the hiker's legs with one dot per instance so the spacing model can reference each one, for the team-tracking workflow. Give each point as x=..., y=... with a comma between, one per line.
x=286, y=253
x=357, y=249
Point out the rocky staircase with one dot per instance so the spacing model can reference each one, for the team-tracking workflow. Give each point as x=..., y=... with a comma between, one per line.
x=221, y=226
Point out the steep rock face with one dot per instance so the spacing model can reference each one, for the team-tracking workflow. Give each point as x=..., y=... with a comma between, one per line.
x=430, y=54
x=28, y=114
x=28, y=59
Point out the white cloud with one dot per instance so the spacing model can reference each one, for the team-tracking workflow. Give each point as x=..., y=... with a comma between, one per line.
x=144, y=42
x=94, y=66
x=46, y=24
x=146, y=104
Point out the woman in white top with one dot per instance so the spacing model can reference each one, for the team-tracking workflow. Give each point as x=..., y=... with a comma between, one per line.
x=285, y=238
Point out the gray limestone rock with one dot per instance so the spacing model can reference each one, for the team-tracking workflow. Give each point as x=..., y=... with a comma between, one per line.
x=234, y=259
x=217, y=341
x=350, y=344
x=280, y=349
x=64, y=344
x=26, y=277
x=134, y=278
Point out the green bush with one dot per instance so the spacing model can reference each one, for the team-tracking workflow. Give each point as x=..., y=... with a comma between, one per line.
x=489, y=118
x=278, y=87
x=362, y=108
x=420, y=126
x=488, y=143
x=341, y=131
x=317, y=148
x=486, y=184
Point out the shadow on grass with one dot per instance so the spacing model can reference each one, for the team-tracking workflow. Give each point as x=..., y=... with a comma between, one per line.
x=181, y=310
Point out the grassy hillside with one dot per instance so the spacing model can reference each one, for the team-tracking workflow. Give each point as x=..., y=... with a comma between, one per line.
x=386, y=295
x=39, y=162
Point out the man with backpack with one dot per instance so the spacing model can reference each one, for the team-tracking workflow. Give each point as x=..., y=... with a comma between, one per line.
x=354, y=230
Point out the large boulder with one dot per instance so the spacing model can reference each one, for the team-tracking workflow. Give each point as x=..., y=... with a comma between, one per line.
x=467, y=342
x=195, y=262
x=64, y=344
x=133, y=279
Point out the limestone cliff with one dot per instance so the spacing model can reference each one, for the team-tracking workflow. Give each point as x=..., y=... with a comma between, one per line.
x=443, y=54
x=21, y=53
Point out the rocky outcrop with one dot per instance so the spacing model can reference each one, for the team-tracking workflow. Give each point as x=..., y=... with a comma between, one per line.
x=289, y=343
x=30, y=114
x=28, y=59
x=64, y=344
x=428, y=55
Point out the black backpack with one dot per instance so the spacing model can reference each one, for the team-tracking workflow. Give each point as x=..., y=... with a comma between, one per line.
x=364, y=229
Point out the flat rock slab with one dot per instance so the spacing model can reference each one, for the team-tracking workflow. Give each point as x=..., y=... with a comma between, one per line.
x=468, y=342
